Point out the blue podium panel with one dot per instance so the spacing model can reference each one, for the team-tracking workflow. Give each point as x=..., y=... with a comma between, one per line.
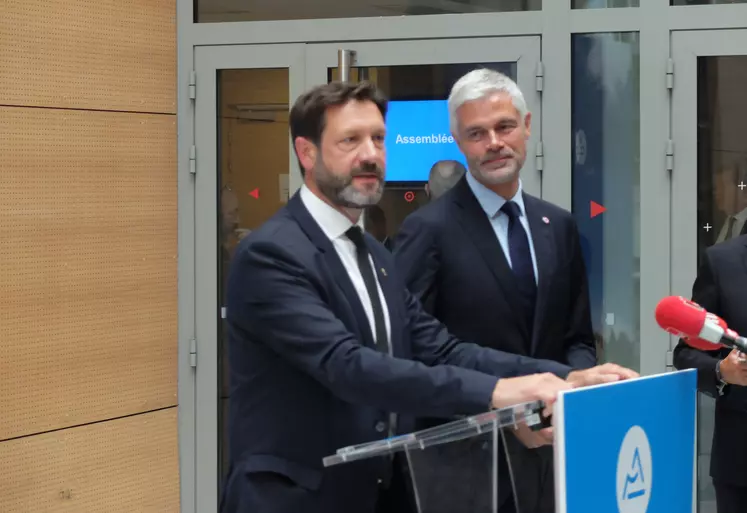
x=627, y=447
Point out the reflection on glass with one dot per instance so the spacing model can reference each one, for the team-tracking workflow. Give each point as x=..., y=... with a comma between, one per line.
x=606, y=165
x=706, y=2
x=722, y=194
x=410, y=83
x=600, y=4
x=259, y=10
x=722, y=150
x=252, y=182
x=398, y=202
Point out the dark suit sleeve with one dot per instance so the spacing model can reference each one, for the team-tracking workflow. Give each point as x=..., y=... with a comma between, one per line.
x=434, y=345
x=417, y=258
x=278, y=302
x=705, y=293
x=579, y=340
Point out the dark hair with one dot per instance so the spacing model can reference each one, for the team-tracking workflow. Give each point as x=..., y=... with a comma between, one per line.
x=308, y=115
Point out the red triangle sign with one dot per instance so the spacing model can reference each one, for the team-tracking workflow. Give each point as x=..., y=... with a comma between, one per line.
x=254, y=194
x=596, y=209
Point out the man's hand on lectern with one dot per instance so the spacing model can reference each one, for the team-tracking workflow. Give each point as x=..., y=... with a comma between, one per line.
x=606, y=373
x=524, y=389
x=542, y=387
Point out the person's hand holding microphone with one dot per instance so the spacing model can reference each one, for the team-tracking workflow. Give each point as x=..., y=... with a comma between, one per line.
x=733, y=368
x=705, y=331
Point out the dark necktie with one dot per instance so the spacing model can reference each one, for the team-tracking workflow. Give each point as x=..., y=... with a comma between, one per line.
x=521, y=259
x=355, y=234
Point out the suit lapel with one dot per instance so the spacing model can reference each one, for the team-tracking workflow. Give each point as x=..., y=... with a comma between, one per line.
x=545, y=253
x=339, y=273
x=476, y=224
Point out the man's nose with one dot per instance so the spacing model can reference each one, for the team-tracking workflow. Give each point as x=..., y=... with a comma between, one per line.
x=494, y=139
x=368, y=150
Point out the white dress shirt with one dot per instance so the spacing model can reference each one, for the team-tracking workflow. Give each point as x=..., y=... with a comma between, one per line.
x=334, y=225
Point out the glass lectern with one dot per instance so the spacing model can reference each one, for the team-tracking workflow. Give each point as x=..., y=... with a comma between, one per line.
x=465, y=466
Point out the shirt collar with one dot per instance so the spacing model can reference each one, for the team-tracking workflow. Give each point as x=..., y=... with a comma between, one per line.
x=333, y=223
x=491, y=202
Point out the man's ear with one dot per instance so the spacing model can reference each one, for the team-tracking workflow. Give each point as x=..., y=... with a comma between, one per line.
x=528, y=124
x=306, y=151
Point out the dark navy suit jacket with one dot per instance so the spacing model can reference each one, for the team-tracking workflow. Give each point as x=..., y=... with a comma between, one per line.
x=721, y=288
x=453, y=262
x=306, y=378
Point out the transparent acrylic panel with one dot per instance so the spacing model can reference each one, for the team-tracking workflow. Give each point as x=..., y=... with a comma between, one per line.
x=414, y=82
x=601, y=4
x=473, y=464
x=264, y=10
x=706, y=2
x=605, y=143
x=531, y=469
x=722, y=195
x=457, y=476
x=253, y=155
x=461, y=475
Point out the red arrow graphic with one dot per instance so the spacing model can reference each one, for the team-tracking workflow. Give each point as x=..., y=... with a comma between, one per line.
x=596, y=209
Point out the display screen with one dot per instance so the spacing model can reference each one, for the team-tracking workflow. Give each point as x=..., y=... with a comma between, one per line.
x=418, y=136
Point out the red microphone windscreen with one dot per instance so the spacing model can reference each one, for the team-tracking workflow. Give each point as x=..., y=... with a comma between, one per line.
x=684, y=318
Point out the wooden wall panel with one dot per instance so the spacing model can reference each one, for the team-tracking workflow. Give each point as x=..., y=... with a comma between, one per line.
x=94, y=54
x=121, y=466
x=88, y=245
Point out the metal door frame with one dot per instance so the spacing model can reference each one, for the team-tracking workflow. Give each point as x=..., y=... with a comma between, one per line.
x=687, y=46
x=525, y=51
x=208, y=61
x=307, y=65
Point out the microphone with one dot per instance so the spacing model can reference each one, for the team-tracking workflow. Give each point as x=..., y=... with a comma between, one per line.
x=697, y=327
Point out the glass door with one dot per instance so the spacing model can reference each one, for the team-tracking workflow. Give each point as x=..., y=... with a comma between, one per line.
x=709, y=200
x=417, y=76
x=244, y=172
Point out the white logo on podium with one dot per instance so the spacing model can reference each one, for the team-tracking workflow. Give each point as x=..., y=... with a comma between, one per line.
x=634, y=472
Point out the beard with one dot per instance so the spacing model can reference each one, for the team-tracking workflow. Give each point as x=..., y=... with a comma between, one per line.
x=341, y=191
x=498, y=175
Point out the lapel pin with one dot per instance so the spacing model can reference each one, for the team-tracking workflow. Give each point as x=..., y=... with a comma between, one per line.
x=383, y=271
x=545, y=220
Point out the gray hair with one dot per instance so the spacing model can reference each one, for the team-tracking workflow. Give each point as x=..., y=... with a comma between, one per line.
x=443, y=176
x=478, y=84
